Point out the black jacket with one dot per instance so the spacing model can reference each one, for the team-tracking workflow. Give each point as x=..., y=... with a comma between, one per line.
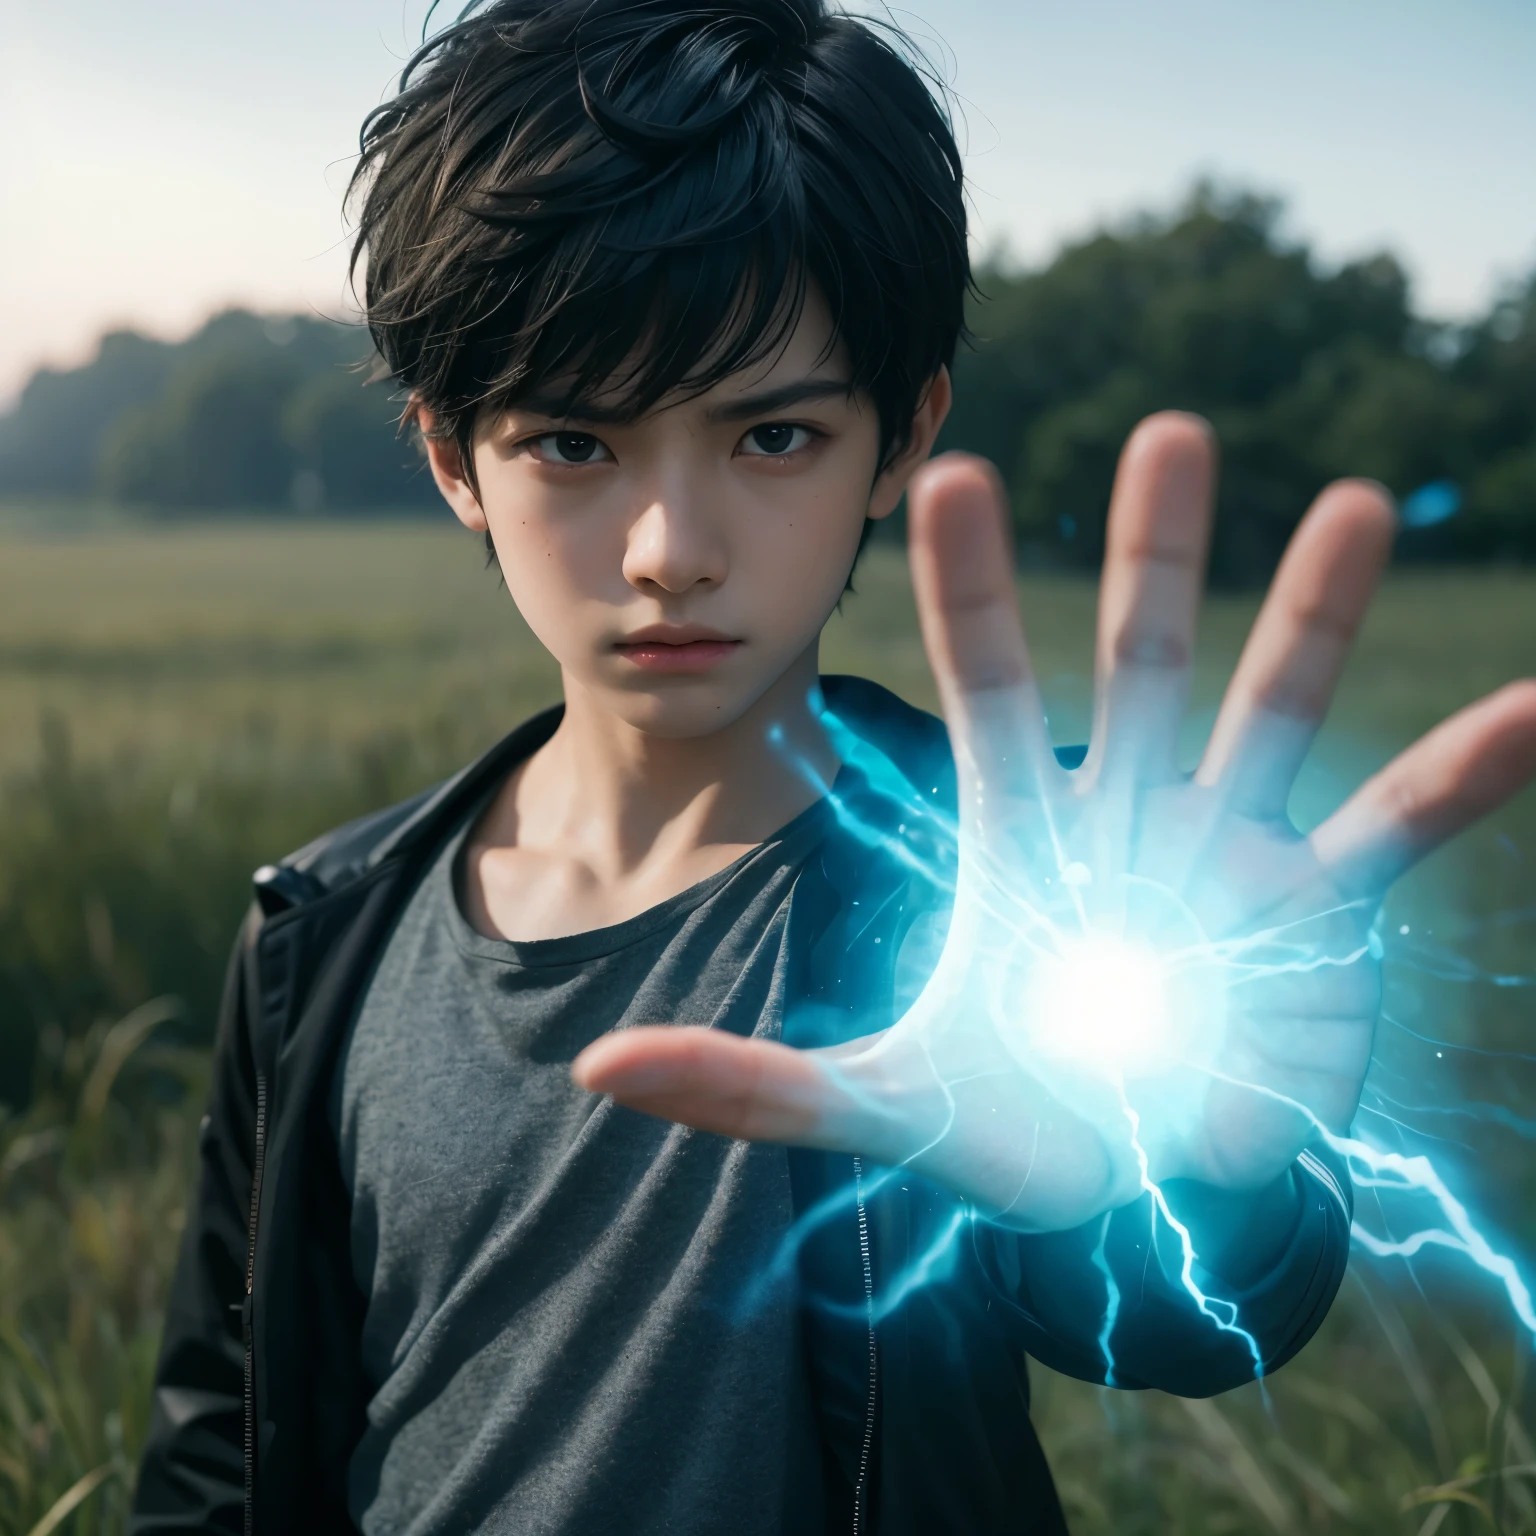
x=924, y=1403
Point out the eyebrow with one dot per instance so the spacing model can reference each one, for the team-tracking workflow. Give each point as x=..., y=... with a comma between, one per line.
x=768, y=401
x=765, y=403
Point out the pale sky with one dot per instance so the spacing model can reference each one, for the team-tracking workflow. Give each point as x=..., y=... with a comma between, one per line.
x=166, y=157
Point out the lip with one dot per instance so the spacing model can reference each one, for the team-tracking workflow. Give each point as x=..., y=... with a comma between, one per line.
x=676, y=648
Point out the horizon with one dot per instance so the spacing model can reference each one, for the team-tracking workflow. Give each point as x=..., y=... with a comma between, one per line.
x=217, y=146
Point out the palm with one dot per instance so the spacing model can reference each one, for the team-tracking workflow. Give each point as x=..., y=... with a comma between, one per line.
x=1145, y=971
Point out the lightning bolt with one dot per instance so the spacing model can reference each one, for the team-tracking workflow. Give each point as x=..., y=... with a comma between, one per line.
x=1223, y=1314
x=1407, y=1178
x=1373, y=1168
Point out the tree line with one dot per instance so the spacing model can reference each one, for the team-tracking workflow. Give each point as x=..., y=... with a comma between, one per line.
x=252, y=413
x=1306, y=371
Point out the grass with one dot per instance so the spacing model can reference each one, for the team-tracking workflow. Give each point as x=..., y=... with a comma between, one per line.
x=178, y=705
x=92, y=1185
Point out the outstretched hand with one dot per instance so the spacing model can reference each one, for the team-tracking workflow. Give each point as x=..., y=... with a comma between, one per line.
x=1147, y=973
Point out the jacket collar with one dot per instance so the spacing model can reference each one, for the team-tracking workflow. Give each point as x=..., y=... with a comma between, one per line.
x=913, y=740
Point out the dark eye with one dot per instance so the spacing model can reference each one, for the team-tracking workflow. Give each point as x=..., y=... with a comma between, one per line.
x=570, y=448
x=774, y=439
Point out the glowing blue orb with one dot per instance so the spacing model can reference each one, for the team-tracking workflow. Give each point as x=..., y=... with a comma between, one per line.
x=1101, y=1002
x=1123, y=987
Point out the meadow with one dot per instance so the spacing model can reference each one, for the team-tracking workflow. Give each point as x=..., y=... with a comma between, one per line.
x=180, y=704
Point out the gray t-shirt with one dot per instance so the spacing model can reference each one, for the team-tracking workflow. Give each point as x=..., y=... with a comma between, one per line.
x=568, y=1328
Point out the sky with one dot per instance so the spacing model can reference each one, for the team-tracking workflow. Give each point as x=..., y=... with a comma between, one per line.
x=165, y=158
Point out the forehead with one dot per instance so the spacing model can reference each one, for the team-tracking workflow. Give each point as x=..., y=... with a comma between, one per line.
x=809, y=351
x=810, y=346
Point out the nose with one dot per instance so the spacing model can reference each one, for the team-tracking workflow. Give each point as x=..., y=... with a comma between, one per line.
x=674, y=546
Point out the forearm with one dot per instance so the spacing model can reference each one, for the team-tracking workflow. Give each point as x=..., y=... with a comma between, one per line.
x=1239, y=1236
x=1120, y=1300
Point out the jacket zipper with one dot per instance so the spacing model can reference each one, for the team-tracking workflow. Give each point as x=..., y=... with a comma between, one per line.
x=250, y=1277
x=869, y=1314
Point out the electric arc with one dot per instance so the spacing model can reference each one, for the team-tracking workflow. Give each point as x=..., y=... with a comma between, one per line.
x=1133, y=1003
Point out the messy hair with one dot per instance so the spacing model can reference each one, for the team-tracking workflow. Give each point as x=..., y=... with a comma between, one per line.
x=630, y=198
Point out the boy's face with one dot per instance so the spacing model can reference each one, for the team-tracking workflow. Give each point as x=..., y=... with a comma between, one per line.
x=679, y=565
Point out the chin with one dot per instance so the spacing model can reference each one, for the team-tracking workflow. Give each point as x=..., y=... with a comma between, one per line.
x=684, y=707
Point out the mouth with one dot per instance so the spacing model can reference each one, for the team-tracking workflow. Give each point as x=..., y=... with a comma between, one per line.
x=676, y=648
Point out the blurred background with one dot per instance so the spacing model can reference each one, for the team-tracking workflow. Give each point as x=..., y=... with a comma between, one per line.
x=233, y=612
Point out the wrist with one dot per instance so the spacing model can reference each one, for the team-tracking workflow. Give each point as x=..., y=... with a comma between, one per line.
x=1238, y=1235
x=1073, y=1176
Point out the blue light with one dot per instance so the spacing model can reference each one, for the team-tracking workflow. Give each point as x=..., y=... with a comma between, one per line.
x=1105, y=987
x=1100, y=1002
x=1436, y=502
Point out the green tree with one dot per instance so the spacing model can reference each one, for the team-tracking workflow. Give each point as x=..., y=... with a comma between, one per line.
x=50, y=442
x=212, y=440
x=347, y=442
x=1497, y=372
x=1306, y=374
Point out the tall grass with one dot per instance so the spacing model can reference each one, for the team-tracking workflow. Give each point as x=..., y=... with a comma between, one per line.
x=1389, y=1420
x=93, y=1179
x=215, y=700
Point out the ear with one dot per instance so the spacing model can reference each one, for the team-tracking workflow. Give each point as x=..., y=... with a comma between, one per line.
x=447, y=464
x=891, y=485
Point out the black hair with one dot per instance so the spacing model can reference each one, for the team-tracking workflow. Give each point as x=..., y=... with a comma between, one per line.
x=630, y=197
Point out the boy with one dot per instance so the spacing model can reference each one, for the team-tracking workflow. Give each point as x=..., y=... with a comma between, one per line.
x=674, y=289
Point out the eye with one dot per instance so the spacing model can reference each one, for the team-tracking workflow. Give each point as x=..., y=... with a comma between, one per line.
x=775, y=439
x=569, y=448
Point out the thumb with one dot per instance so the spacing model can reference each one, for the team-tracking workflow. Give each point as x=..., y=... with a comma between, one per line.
x=757, y=1090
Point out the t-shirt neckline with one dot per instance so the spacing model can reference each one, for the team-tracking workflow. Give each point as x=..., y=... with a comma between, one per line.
x=596, y=943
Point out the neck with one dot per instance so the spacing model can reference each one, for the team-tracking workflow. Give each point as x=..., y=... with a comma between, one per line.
x=621, y=797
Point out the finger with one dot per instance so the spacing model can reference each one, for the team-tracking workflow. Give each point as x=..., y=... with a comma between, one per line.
x=1149, y=596
x=758, y=1090
x=962, y=574
x=1290, y=666
x=1464, y=768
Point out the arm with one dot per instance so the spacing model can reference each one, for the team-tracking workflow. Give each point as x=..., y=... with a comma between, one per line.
x=1270, y=1261
x=192, y=1474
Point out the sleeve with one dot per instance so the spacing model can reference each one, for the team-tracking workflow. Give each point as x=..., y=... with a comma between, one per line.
x=192, y=1473
x=1125, y=1301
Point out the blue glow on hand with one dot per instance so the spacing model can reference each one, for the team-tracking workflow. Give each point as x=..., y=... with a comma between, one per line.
x=1104, y=987
x=1101, y=1003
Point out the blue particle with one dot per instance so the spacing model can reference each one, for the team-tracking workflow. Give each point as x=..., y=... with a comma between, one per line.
x=1374, y=944
x=1067, y=525
x=1437, y=502
x=1403, y=929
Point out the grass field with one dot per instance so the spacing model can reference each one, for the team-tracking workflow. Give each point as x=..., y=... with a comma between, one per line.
x=328, y=635
x=177, y=705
